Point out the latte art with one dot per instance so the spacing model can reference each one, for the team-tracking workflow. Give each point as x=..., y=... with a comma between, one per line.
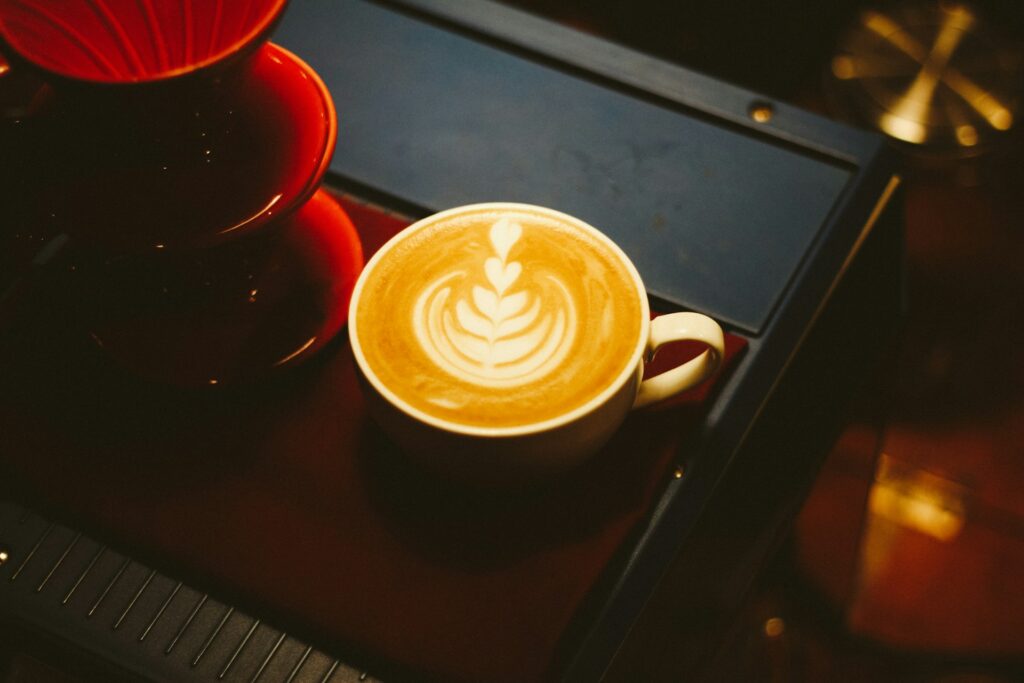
x=500, y=336
x=497, y=317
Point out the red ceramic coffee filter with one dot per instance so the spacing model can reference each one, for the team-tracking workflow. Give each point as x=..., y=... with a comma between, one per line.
x=170, y=126
x=132, y=41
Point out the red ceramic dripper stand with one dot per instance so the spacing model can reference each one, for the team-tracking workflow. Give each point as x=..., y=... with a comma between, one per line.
x=182, y=155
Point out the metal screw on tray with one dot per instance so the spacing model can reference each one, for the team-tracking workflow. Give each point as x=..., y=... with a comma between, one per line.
x=760, y=111
x=935, y=77
x=183, y=154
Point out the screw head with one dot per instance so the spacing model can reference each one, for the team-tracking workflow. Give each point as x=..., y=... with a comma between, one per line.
x=762, y=112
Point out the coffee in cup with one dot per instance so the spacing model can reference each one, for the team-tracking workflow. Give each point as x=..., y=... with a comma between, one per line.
x=507, y=340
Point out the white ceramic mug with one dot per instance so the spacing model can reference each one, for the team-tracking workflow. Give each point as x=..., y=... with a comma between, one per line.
x=529, y=449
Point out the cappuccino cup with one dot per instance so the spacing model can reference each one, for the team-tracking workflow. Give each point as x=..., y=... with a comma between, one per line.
x=504, y=343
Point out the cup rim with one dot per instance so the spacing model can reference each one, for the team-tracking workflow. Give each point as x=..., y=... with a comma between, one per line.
x=630, y=369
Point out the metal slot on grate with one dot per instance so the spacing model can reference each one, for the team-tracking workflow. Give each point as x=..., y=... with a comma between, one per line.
x=56, y=579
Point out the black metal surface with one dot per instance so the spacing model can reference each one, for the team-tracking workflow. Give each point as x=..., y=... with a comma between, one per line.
x=771, y=474
x=443, y=119
x=132, y=622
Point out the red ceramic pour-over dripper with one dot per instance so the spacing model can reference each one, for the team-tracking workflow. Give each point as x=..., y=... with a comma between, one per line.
x=133, y=41
x=171, y=125
x=186, y=152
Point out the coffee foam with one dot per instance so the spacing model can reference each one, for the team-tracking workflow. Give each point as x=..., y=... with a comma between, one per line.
x=498, y=318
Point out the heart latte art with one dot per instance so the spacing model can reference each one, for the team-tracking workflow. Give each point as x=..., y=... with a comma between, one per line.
x=497, y=318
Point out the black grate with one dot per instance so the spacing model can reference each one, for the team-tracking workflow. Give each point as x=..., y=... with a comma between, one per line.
x=64, y=583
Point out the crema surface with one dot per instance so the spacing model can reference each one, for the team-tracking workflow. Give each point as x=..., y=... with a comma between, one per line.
x=498, y=318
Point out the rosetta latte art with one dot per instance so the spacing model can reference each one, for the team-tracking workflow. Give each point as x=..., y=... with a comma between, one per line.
x=507, y=329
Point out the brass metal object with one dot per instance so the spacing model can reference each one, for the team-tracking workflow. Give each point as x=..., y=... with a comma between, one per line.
x=933, y=76
x=762, y=112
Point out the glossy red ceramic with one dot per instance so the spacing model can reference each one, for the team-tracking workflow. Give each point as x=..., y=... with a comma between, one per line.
x=181, y=154
x=155, y=168
x=133, y=41
x=232, y=313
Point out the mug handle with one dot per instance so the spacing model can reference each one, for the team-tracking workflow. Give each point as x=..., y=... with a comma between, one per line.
x=681, y=327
